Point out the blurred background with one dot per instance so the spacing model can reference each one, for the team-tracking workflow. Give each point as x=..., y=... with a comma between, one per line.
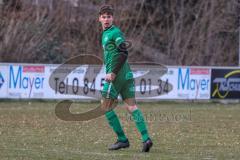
x=172, y=32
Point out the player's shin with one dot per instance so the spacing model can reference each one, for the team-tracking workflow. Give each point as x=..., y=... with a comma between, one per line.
x=112, y=118
x=140, y=124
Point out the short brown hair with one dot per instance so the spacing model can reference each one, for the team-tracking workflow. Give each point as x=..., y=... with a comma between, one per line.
x=106, y=9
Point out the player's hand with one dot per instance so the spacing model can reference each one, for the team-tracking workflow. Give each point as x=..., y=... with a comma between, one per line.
x=110, y=77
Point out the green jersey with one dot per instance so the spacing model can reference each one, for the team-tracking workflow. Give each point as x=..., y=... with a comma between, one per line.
x=111, y=39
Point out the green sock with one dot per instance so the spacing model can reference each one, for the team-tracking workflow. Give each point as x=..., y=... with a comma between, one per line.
x=115, y=124
x=140, y=124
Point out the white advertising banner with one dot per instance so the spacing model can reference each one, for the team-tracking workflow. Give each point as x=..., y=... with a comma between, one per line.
x=188, y=83
x=38, y=81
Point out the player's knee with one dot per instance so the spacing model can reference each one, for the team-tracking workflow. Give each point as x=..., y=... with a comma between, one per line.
x=108, y=104
x=132, y=108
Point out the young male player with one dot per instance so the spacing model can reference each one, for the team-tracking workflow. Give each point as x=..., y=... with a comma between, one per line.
x=119, y=80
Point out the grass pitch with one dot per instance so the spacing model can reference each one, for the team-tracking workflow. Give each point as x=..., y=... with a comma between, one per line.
x=179, y=131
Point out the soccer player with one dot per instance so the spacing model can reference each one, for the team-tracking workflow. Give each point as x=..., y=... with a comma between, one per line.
x=119, y=80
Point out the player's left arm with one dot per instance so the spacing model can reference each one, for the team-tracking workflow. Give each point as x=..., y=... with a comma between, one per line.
x=122, y=54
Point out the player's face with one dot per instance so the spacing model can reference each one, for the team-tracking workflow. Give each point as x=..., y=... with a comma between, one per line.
x=106, y=20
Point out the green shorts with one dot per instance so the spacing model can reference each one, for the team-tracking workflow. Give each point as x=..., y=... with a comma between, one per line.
x=125, y=88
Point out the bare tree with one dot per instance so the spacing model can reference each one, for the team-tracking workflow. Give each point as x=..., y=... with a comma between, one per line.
x=177, y=32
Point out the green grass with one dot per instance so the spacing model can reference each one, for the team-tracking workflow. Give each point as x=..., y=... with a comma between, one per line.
x=179, y=131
